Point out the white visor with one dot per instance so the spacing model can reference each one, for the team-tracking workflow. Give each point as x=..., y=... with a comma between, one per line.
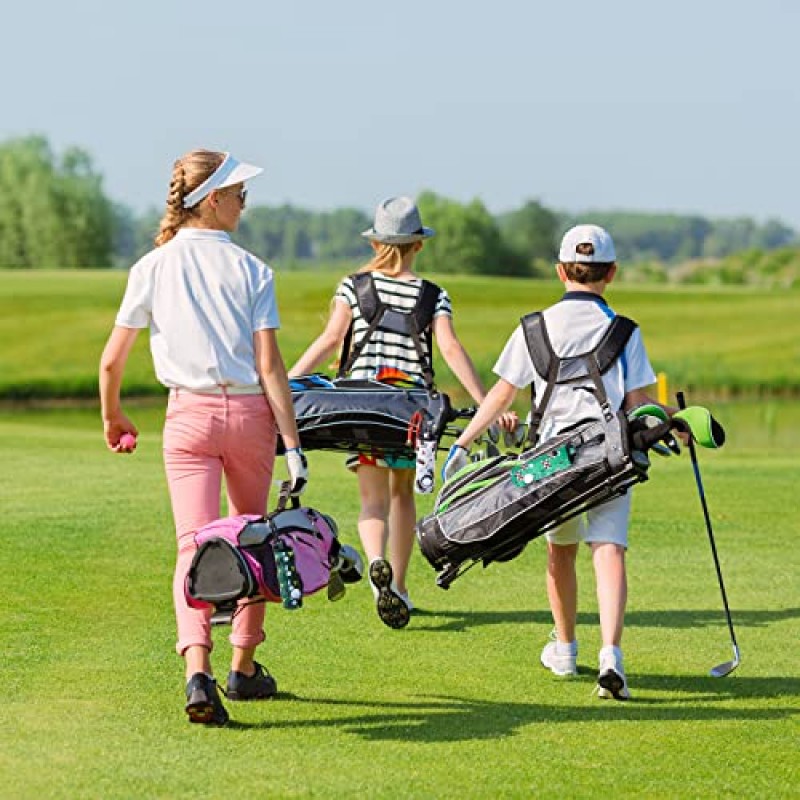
x=228, y=173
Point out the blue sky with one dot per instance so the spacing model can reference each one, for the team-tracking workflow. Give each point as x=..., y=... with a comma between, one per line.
x=687, y=106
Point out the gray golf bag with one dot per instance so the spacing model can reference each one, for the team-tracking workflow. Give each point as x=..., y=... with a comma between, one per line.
x=491, y=509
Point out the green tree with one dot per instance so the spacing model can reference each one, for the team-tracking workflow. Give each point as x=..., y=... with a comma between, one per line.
x=531, y=232
x=53, y=212
x=467, y=239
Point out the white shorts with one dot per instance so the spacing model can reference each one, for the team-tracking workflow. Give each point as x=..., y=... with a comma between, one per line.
x=605, y=523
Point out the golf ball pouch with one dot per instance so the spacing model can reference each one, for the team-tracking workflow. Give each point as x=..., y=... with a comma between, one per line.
x=281, y=557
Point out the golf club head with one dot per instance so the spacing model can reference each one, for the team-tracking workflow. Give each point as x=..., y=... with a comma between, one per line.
x=492, y=450
x=516, y=437
x=672, y=443
x=493, y=433
x=722, y=670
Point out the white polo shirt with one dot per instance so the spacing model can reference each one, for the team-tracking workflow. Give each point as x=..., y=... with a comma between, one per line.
x=202, y=297
x=575, y=325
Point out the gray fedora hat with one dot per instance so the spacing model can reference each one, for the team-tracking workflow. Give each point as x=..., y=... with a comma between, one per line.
x=397, y=221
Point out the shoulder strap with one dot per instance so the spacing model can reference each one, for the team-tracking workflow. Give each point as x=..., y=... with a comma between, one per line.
x=614, y=341
x=426, y=304
x=545, y=362
x=371, y=308
x=421, y=319
x=538, y=341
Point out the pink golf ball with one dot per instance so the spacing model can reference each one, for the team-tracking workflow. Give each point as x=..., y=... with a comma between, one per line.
x=127, y=441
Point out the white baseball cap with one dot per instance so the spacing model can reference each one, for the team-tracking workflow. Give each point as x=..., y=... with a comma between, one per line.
x=600, y=240
x=228, y=173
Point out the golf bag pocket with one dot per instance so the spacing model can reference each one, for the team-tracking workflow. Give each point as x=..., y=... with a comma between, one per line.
x=281, y=557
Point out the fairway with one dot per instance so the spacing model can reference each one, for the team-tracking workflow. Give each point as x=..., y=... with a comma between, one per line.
x=455, y=705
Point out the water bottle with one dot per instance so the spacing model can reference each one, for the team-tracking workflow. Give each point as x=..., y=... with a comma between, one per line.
x=288, y=578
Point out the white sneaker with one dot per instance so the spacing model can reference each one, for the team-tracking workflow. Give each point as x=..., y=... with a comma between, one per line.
x=611, y=682
x=558, y=662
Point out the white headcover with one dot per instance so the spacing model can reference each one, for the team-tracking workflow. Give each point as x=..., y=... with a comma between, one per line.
x=228, y=173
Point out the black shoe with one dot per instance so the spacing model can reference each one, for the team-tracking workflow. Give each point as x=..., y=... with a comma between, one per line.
x=392, y=609
x=258, y=686
x=202, y=701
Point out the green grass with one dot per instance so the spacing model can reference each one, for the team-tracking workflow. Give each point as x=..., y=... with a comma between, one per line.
x=712, y=341
x=456, y=705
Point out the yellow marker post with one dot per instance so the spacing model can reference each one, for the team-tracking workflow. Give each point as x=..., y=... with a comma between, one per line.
x=663, y=389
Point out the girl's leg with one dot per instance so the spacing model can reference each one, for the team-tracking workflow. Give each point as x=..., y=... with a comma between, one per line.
x=373, y=487
x=194, y=476
x=562, y=588
x=402, y=518
x=249, y=458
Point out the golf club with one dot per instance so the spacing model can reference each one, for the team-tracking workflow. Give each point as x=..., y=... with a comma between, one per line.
x=721, y=670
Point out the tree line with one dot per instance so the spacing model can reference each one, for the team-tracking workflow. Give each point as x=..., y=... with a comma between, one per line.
x=54, y=213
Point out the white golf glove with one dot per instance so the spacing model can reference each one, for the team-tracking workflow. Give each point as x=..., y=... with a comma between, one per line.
x=297, y=465
x=457, y=459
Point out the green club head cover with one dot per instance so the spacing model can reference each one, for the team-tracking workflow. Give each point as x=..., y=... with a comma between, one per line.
x=705, y=430
x=650, y=410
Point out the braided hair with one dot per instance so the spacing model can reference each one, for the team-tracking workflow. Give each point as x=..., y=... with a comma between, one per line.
x=188, y=172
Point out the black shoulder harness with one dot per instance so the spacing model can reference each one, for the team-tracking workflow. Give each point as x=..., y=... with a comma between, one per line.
x=571, y=369
x=381, y=316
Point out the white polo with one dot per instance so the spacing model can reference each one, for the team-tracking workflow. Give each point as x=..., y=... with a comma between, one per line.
x=575, y=325
x=203, y=297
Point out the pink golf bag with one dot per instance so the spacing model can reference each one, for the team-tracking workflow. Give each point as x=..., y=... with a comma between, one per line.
x=283, y=556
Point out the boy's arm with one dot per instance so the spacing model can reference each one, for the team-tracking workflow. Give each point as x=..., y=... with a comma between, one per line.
x=496, y=402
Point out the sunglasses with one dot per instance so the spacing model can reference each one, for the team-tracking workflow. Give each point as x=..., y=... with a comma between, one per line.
x=242, y=195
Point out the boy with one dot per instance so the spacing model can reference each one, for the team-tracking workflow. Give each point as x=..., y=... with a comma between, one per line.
x=575, y=324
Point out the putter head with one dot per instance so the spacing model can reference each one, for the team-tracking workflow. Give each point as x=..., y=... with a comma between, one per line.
x=722, y=670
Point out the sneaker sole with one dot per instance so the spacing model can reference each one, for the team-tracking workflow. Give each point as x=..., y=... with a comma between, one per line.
x=570, y=673
x=612, y=685
x=201, y=712
x=391, y=608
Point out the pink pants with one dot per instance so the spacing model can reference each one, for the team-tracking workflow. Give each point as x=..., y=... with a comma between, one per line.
x=206, y=436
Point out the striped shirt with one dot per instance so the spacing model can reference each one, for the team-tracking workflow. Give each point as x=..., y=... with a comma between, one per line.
x=387, y=349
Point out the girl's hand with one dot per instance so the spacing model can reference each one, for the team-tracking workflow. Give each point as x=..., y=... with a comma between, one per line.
x=113, y=430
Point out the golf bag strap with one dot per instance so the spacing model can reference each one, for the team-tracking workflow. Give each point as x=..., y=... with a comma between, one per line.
x=614, y=341
x=545, y=362
x=373, y=309
x=538, y=341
